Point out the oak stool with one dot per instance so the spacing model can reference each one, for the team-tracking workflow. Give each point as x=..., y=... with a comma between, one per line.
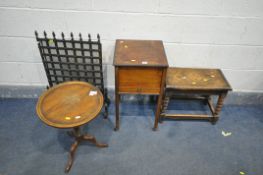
x=195, y=83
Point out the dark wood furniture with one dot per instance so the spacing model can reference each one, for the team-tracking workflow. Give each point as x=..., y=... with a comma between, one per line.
x=140, y=68
x=73, y=59
x=199, y=84
x=71, y=105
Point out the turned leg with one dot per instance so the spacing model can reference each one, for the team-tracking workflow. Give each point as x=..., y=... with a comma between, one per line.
x=158, y=110
x=164, y=107
x=218, y=108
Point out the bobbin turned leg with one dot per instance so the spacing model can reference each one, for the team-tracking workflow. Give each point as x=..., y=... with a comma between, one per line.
x=218, y=108
x=164, y=107
x=160, y=100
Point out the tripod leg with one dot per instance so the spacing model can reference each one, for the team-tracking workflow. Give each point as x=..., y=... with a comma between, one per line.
x=71, y=155
x=92, y=139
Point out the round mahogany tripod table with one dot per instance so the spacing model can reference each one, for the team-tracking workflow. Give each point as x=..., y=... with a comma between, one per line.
x=70, y=105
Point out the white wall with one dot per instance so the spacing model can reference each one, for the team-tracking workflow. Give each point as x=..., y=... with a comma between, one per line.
x=226, y=34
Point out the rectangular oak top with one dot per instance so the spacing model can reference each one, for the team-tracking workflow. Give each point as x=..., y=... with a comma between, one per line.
x=196, y=79
x=140, y=53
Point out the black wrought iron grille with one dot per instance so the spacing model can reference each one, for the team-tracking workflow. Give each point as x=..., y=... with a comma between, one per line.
x=71, y=59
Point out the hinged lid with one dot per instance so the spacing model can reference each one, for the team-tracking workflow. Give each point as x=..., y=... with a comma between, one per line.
x=140, y=53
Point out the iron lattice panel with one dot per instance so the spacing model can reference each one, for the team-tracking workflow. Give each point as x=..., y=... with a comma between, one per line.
x=71, y=59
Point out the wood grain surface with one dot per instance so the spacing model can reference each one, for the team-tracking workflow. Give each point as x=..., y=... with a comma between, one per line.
x=140, y=53
x=69, y=104
x=196, y=79
x=139, y=80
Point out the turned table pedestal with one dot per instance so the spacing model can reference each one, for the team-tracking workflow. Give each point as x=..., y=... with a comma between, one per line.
x=71, y=105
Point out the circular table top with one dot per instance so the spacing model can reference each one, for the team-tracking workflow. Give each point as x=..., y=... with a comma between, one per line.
x=69, y=104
